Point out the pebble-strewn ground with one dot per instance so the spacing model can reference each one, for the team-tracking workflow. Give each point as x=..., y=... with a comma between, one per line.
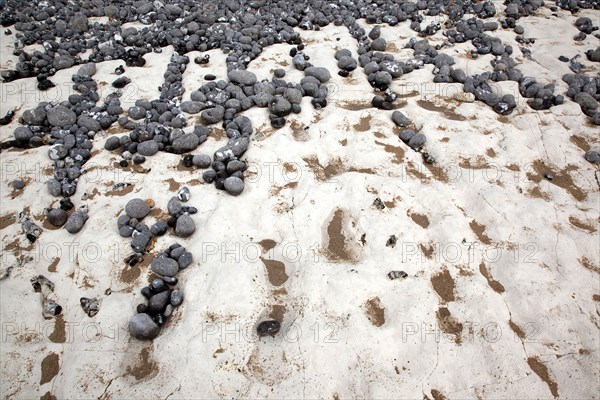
x=406, y=195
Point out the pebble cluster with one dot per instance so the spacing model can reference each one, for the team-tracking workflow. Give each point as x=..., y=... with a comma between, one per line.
x=162, y=293
x=242, y=30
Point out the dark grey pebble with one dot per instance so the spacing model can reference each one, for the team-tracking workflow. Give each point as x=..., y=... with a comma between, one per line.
x=76, y=221
x=185, y=226
x=18, y=184
x=143, y=327
x=176, y=298
x=57, y=216
x=164, y=266
x=159, y=228
x=268, y=328
x=185, y=260
x=137, y=208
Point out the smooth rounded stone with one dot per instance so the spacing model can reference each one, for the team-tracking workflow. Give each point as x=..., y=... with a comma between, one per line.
x=417, y=141
x=519, y=30
x=209, y=176
x=141, y=241
x=586, y=101
x=379, y=44
x=170, y=280
x=63, y=62
x=321, y=73
x=136, y=112
x=202, y=160
x=185, y=143
x=280, y=106
x=61, y=116
x=57, y=216
x=158, y=285
x=159, y=301
x=164, y=266
x=137, y=208
x=76, y=221
x=382, y=78
x=146, y=292
x=242, y=77
x=112, y=143
x=126, y=231
x=592, y=157
x=54, y=187
x=177, y=252
x=176, y=298
x=184, y=260
x=400, y=119
x=279, y=73
x=371, y=68
x=143, y=327
x=191, y=107
x=184, y=194
x=148, y=148
x=375, y=33
x=159, y=228
x=88, y=69
x=268, y=328
x=213, y=115
x=347, y=63
x=121, y=82
x=458, y=75
x=23, y=134
x=234, y=185
x=174, y=206
x=185, y=226
x=18, y=184
x=406, y=135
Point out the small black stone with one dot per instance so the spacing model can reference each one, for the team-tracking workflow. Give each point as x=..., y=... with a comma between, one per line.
x=123, y=163
x=66, y=204
x=187, y=161
x=146, y=292
x=142, y=308
x=268, y=328
x=158, y=285
x=170, y=280
x=160, y=319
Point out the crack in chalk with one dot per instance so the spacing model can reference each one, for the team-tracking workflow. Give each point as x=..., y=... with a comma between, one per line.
x=489, y=204
x=510, y=319
x=105, y=389
x=173, y=392
x=437, y=361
